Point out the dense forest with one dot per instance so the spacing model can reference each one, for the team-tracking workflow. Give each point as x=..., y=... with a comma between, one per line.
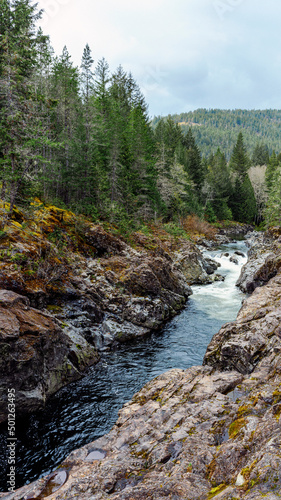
x=82, y=138
x=213, y=128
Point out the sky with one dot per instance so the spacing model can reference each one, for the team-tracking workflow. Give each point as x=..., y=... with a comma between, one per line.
x=184, y=54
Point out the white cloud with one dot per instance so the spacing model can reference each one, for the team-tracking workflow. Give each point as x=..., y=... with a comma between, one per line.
x=182, y=53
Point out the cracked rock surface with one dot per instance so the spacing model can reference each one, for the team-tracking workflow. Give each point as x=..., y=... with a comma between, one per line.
x=211, y=431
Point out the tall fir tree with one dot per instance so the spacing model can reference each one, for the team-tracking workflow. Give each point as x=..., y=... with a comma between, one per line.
x=20, y=120
x=239, y=161
x=243, y=201
x=65, y=90
x=271, y=169
x=219, y=187
x=193, y=162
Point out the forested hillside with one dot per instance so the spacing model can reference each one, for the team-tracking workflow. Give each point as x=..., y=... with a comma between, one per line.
x=81, y=138
x=213, y=128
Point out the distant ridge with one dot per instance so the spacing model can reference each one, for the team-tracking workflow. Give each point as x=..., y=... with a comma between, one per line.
x=213, y=128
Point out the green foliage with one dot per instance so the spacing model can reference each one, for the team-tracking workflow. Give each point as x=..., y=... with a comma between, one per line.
x=218, y=188
x=213, y=127
x=193, y=161
x=21, y=117
x=243, y=202
x=82, y=137
x=272, y=167
x=175, y=230
x=260, y=155
x=178, y=181
x=273, y=208
x=239, y=161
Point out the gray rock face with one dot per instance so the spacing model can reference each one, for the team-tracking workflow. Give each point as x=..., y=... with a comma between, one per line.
x=195, y=267
x=136, y=291
x=256, y=332
x=36, y=356
x=211, y=431
x=263, y=263
x=120, y=295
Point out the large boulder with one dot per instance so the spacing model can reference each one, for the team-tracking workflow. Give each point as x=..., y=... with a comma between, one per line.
x=194, y=266
x=264, y=261
x=211, y=431
x=195, y=434
x=241, y=345
x=37, y=357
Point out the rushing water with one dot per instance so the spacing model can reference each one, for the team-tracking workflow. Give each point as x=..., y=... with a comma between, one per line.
x=87, y=409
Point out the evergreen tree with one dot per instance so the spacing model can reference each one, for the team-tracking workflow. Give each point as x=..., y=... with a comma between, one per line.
x=219, y=186
x=273, y=208
x=83, y=135
x=271, y=169
x=87, y=74
x=20, y=120
x=193, y=160
x=65, y=89
x=176, y=187
x=260, y=155
x=243, y=202
x=239, y=161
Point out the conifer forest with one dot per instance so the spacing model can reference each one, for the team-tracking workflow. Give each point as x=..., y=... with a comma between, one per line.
x=82, y=138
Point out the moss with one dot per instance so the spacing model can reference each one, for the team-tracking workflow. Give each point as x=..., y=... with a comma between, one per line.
x=246, y=473
x=277, y=411
x=192, y=431
x=244, y=410
x=216, y=490
x=54, y=309
x=218, y=427
x=277, y=396
x=236, y=427
x=141, y=400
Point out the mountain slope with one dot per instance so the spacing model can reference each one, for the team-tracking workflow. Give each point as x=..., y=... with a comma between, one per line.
x=215, y=128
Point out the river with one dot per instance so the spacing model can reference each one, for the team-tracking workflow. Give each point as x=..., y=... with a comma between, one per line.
x=87, y=409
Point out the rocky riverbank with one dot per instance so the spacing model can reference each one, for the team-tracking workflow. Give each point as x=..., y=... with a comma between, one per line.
x=70, y=290
x=212, y=431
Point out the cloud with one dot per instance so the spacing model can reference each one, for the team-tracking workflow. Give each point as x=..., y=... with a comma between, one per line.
x=184, y=54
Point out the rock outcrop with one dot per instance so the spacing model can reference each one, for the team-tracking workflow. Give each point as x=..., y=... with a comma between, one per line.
x=133, y=291
x=36, y=356
x=82, y=301
x=195, y=268
x=264, y=261
x=211, y=431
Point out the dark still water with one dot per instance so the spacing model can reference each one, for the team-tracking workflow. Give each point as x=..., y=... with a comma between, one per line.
x=87, y=409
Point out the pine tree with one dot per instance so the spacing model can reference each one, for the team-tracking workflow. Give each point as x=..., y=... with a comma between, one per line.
x=239, y=161
x=220, y=187
x=260, y=155
x=20, y=121
x=65, y=90
x=271, y=169
x=193, y=161
x=243, y=202
x=273, y=209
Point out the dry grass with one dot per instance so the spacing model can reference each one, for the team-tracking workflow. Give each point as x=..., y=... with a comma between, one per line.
x=193, y=225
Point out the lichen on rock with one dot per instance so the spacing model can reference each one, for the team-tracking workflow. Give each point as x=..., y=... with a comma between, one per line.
x=211, y=431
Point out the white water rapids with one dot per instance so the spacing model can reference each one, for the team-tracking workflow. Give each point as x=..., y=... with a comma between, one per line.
x=87, y=409
x=222, y=299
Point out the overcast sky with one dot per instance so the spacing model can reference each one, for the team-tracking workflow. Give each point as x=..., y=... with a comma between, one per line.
x=184, y=54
